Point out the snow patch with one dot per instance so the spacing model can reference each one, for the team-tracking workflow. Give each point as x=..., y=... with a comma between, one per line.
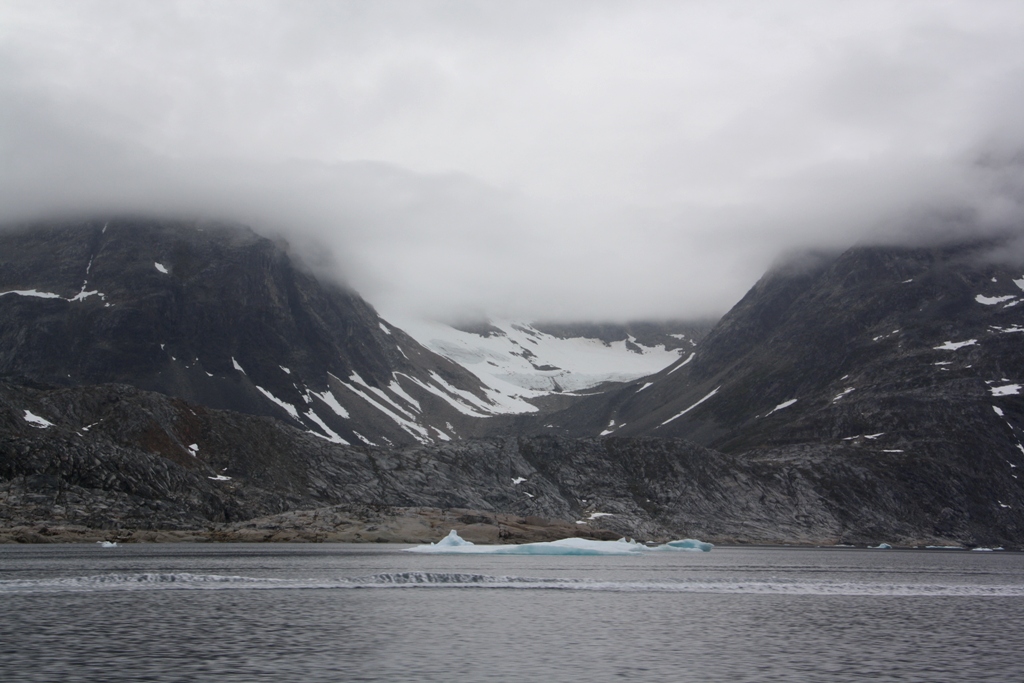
x=683, y=363
x=843, y=393
x=236, y=365
x=287, y=406
x=1006, y=390
x=993, y=300
x=161, y=268
x=332, y=436
x=781, y=406
x=37, y=421
x=953, y=346
x=33, y=292
x=713, y=392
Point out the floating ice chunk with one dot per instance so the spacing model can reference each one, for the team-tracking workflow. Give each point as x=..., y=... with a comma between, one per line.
x=161, y=268
x=953, y=346
x=688, y=544
x=106, y=544
x=882, y=546
x=454, y=544
x=37, y=421
x=993, y=300
x=1006, y=390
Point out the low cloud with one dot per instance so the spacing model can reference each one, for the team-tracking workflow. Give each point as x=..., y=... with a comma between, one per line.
x=543, y=160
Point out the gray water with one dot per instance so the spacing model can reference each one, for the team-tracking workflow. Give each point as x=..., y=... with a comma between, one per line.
x=338, y=612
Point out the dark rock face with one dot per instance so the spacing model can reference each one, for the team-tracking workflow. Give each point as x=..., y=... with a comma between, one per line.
x=115, y=457
x=219, y=316
x=896, y=366
x=158, y=375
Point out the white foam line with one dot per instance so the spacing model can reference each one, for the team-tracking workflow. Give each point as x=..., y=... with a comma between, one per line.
x=425, y=580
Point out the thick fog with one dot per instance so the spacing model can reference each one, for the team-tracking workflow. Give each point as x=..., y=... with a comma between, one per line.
x=545, y=160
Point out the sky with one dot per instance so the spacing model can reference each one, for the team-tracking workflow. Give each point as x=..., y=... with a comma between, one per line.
x=571, y=160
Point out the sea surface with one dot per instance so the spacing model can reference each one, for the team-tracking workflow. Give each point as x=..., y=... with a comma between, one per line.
x=339, y=612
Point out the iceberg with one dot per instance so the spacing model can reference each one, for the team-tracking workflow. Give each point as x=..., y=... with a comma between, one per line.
x=454, y=544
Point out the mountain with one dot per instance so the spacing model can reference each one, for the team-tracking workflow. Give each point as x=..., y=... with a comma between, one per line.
x=899, y=362
x=223, y=318
x=194, y=376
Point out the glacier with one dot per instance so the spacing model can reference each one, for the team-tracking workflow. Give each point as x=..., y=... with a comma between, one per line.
x=453, y=544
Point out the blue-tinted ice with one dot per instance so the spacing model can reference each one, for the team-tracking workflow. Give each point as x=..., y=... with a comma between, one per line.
x=455, y=544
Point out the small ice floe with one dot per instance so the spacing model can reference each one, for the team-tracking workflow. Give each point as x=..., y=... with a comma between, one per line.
x=161, y=268
x=37, y=421
x=106, y=544
x=982, y=550
x=455, y=545
x=881, y=546
x=953, y=346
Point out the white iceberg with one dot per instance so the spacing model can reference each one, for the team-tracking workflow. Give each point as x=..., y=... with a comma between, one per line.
x=454, y=544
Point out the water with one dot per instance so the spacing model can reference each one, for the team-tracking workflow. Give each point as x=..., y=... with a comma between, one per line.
x=372, y=613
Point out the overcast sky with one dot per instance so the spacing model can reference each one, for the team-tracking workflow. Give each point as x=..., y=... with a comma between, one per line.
x=567, y=160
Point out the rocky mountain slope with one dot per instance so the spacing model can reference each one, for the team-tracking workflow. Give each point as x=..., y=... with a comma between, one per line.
x=114, y=457
x=908, y=359
x=176, y=376
x=222, y=317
